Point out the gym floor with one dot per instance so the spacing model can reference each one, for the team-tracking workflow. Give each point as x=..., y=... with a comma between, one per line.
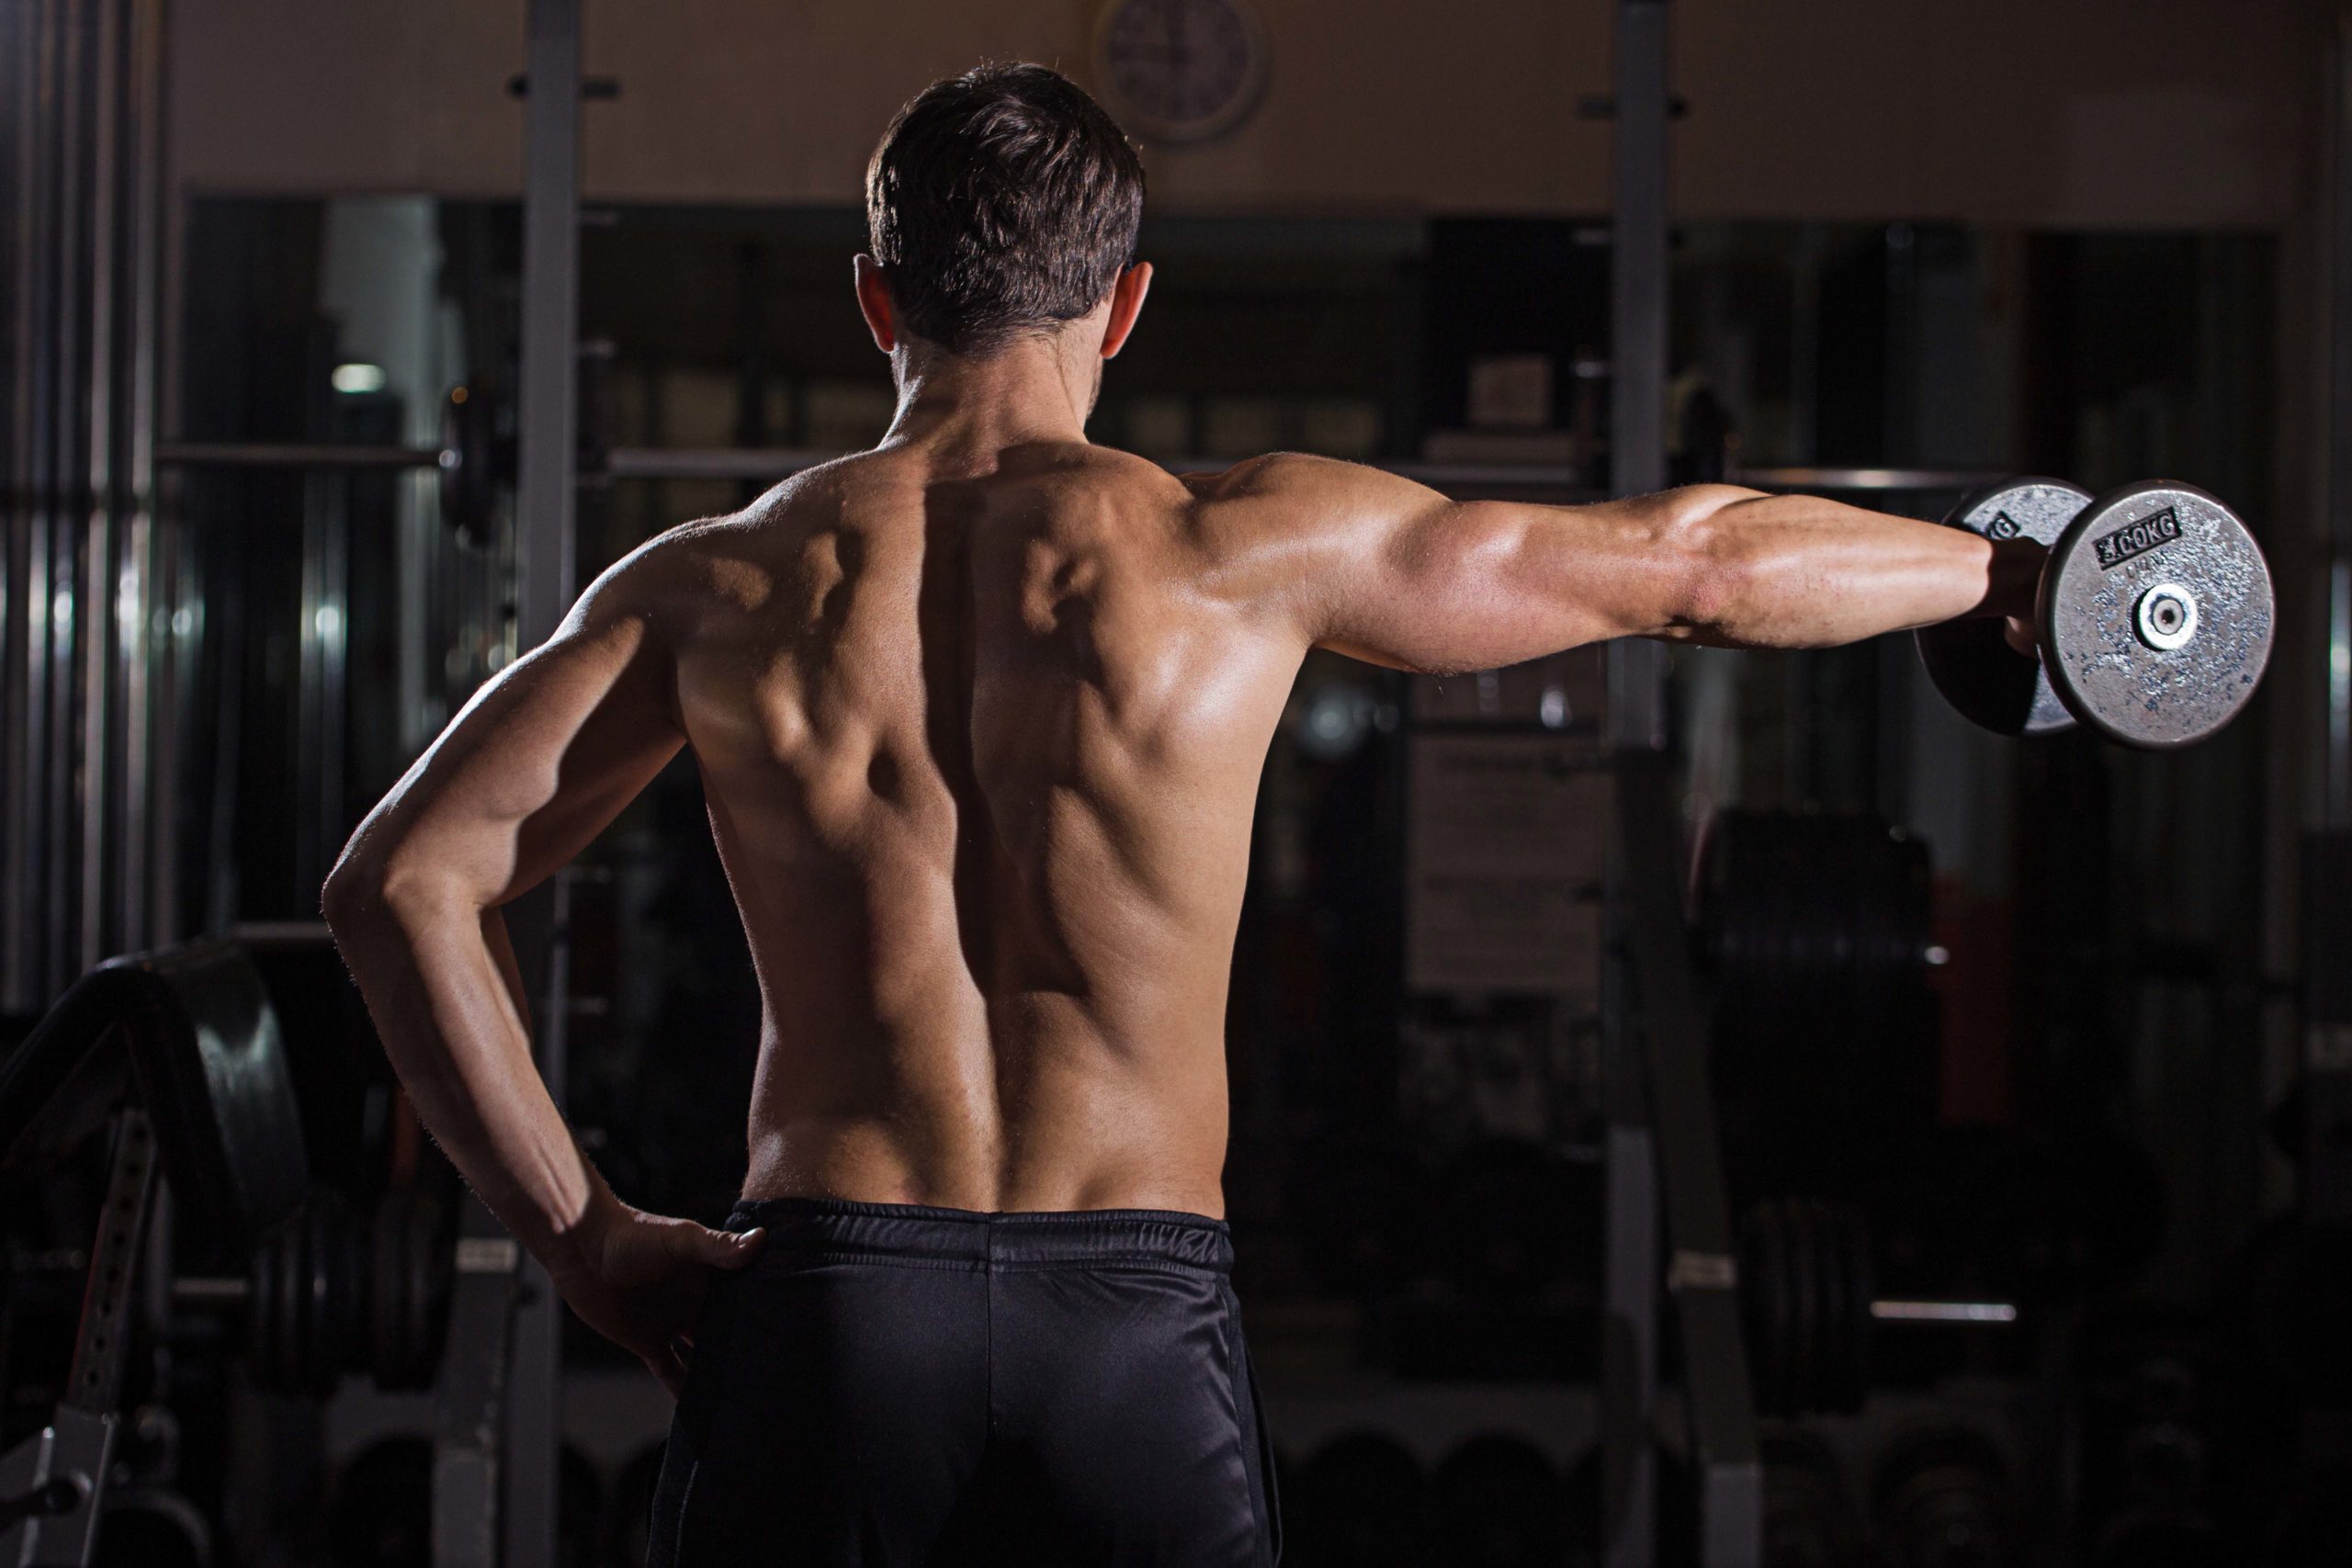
x=1996, y=1086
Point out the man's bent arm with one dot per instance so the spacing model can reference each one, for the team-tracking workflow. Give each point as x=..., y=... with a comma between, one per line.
x=1390, y=571
x=540, y=761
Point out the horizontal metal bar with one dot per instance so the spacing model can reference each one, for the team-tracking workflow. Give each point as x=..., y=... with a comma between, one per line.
x=1502, y=475
x=295, y=455
x=202, y=1292
x=776, y=462
x=708, y=462
x=1863, y=479
x=780, y=462
x=1944, y=1312
x=258, y=936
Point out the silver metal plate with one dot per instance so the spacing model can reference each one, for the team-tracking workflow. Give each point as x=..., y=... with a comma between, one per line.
x=2112, y=677
x=1989, y=683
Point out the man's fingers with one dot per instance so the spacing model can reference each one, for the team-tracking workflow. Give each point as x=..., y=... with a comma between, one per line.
x=2020, y=637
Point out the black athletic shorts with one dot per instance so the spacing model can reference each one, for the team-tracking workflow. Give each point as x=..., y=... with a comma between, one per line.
x=893, y=1385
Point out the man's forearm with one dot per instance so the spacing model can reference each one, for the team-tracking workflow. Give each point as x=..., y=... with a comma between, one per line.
x=441, y=985
x=1800, y=571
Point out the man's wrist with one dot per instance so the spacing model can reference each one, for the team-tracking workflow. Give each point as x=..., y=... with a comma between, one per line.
x=577, y=1251
x=2014, y=581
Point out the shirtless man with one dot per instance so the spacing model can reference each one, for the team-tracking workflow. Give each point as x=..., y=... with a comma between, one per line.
x=980, y=715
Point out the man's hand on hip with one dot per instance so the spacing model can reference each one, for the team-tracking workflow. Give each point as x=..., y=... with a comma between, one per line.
x=642, y=1277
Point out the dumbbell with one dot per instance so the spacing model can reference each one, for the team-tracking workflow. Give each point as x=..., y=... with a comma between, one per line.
x=2153, y=616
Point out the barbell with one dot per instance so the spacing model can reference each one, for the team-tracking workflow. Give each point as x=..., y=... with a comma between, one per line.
x=1811, y=1310
x=334, y=1290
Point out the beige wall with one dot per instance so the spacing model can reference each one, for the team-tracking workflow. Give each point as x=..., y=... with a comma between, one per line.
x=2073, y=112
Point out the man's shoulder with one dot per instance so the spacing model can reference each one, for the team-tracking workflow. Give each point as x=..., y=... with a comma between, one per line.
x=1293, y=498
x=729, y=556
x=1268, y=474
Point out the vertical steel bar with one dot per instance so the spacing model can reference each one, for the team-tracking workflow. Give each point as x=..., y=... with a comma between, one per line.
x=2336, y=778
x=175, y=596
x=95, y=782
x=547, y=460
x=146, y=814
x=1637, y=283
x=18, y=707
x=548, y=438
x=2339, y=676
x=1637, y=721
x=315, y=827
x=38, y=393
x=1629, y=1321
x=61, y=352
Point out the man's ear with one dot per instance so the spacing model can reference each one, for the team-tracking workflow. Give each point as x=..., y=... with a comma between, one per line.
x=873, y=303
x=1127, y=300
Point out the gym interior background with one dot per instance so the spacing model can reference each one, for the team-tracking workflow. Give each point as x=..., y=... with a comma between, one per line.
x=2012, y=1075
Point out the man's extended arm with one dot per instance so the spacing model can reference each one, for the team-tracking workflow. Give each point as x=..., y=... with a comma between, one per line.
x=1391, y=572
x=537, y=764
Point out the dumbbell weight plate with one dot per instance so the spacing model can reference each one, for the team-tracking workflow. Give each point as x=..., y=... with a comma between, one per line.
x=1777, y=1391
x=1768, y=1304
x=431, y=1262
x=286, y=1364
x=1848, y=1379
x=263, y=1312
x=1803, y=1254
x=388, y=1299
x=1834, y=1348
x=1971, y=662
x=2156, y=615
x=321, y=1315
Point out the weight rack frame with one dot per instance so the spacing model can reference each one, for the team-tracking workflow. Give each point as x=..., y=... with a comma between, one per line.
x=1663, y=1160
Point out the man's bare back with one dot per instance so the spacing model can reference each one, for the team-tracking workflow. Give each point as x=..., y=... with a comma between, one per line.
x=980, y=742
x=981, y=721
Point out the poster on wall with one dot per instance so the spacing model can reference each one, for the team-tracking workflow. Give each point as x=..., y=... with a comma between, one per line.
x=1504, y=864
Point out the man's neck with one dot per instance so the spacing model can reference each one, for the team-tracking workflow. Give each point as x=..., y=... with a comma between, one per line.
x=1032, y=390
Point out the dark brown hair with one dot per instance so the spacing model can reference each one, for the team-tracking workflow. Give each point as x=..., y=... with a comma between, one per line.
x=1001, y=202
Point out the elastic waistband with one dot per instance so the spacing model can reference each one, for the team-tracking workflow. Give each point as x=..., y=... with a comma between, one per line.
x=980, y=1238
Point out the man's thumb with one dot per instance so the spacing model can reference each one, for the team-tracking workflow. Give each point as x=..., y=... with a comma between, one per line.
x=727, y=1249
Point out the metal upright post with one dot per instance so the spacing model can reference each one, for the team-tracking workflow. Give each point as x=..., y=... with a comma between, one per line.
x=547, y=460
x=548, y=439
x=1637, y=283
x=2325, y=1193
x=2337, y=806
x=1637, y=722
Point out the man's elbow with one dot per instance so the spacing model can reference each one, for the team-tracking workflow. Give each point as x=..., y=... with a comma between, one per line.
x=1712, y=560
x=354, y=894
x=366, y=889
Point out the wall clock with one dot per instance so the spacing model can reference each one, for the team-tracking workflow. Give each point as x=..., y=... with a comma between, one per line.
x=1180, y=72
